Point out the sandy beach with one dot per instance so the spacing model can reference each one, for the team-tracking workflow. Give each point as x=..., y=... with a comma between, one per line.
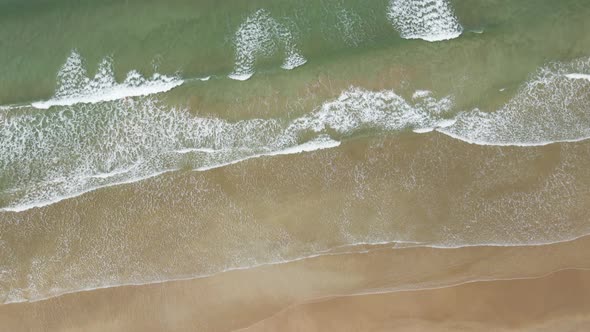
x=303, y=295
x=226, y=301
x=557, y=302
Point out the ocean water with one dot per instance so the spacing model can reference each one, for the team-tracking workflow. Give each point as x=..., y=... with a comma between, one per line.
x=148, y=141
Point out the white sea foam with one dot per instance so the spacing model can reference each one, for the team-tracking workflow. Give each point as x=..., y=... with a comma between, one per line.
x=578, y=76
x=359, y=109
x=13, y=107
x=112, y=173
x=430, y=20
x=69, y=150
x=74, y=86
x=320, y=143
x=66, y=151
x=553, y=106
x=420, y=94
x=440, y=124
x=293, y=60
x=240, y=77
x=262, y=36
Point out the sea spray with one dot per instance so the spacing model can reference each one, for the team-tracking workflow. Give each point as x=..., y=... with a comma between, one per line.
x=69, y=150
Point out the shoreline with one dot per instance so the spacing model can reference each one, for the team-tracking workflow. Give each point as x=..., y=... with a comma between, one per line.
x=293, y=150
x=175, y=245
x=314, y=313
x=276, y=288
x=373, y=247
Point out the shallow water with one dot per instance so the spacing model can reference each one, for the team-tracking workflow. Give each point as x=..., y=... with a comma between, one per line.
x=140, y=141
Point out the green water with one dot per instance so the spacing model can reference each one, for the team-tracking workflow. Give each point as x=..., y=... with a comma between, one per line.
x=195, y=39
x=347, y=45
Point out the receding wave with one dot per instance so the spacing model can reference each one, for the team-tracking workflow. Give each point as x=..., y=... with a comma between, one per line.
x=74, y=86
x=262, y=36
x=430, y=20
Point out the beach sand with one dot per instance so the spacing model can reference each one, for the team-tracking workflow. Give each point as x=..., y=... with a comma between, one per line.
x=241, y=298
x=557, y=302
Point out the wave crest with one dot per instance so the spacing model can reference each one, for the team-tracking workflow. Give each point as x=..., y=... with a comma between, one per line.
x=430, y=20
x=553, y=106
x=262, y=35
x=74, y=86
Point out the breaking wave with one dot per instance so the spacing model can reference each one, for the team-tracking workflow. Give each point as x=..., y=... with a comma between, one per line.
x=262, y=36
x=430, y=20
x=65, y=151
x=74, y=86
x=553, y=106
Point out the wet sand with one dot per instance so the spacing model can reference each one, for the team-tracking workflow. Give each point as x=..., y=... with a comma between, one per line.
x=366, y=202
x=372, y=190
x=238, y=299
x=557, y=302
